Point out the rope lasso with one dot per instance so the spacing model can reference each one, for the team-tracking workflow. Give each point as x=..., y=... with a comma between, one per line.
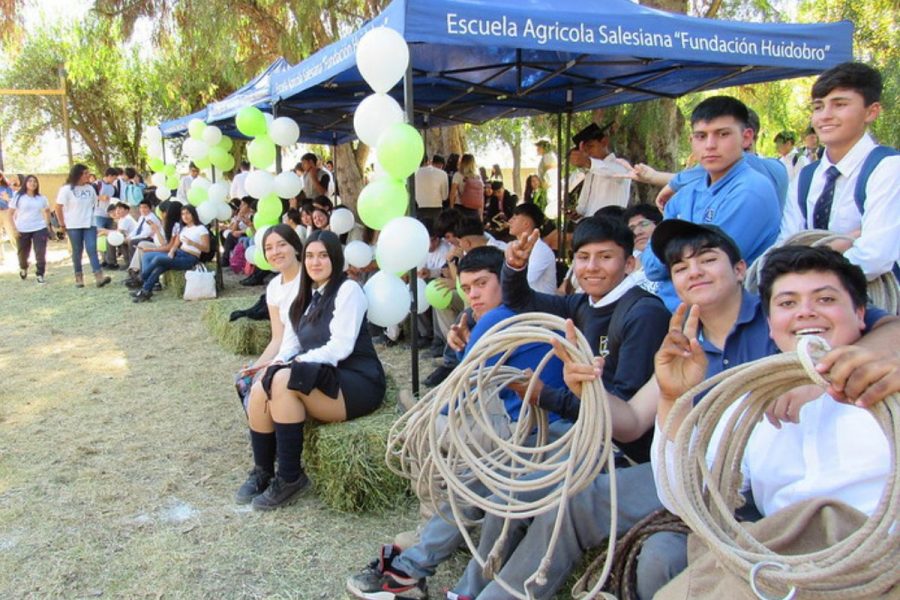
x=883, y=291
x=447, y=445
x=860, y=566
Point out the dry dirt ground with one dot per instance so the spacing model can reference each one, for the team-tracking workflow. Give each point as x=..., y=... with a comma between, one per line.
x=121, y=446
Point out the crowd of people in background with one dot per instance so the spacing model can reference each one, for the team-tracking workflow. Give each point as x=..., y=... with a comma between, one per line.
x=650, y=284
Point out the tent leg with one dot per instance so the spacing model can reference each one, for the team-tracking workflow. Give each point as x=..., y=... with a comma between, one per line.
x=561, y=235
x=562, y=241
x=409, y=102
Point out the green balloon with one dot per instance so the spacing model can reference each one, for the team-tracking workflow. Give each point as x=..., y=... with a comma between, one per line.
x=400, y=150
x=172, y=182
x=197, y=196
x=438, y=296
x=202, y=163
x=101, y=244
x=225, y=143
x=251, y=122
x=269, y=206
x=259, y=259
x=461, y=293
x=156, y=165
x=261, y=152
x=381, y=201
x=218, y=157
x=196, y=128
x=260, y=221
x=228, y=163
x=169, y=170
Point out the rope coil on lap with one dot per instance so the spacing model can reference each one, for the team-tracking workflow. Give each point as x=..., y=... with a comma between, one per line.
x=884, y=290
x=453, y=463
x=862, y=565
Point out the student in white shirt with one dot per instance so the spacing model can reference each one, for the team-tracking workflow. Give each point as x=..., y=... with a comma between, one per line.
x=75, y=206
x=792, y=160
x=161, y=240
x=184, y=186
x=335, y=375
x=191, y=241
x=845, y=101
x=30, y=214
x=603, y=183
x=238, y=190
x=432, y=188
x=126, y=225
x=542, y=262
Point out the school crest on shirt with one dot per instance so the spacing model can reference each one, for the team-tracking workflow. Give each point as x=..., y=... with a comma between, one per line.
x=603, y=346
x=709, y=215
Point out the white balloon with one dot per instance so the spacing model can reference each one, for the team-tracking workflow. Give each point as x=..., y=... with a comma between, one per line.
x=287, y=184
x=155, y=150
x=388, y=299
x=341, y=221
x=421, y=301
x=223, y=211
x=212, y=135
x=250, y=255
x=196, y=149
x=115, y=238
x=284, y=131
x=217, y=192
x=153, y=134
x=158, y=179
x=358, y=254
x=163, y=193
x=374, y=115
x=382, y=57
x=207, y=212
x=402, y=244
x=269, y=118
x=258, y=236
x=259, y=184
x=201, y=182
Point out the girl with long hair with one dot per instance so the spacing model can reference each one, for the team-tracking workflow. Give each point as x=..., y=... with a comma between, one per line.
x=75, y=205
x=467, y=188
x=30, y=212
x=335, y=376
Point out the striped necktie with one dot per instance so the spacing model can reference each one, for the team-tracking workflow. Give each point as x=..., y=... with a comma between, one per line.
x=822, y=210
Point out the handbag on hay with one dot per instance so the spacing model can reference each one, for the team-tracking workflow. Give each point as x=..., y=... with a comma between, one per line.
x=199, y=283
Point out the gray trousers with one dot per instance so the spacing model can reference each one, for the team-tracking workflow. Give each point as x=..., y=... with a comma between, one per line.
x=585, y=525
x=439, y=539
x=663, y=556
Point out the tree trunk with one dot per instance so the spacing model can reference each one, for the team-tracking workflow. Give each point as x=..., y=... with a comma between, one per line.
x=350, y=165
x=516, y=148
x=445, y=141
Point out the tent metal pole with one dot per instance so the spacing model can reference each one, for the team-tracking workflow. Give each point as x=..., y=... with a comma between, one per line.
x=214, y=239
x=334, y=163
x=561, y=235
x=409, y=105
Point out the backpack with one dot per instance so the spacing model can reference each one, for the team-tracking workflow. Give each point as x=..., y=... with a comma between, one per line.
x=133, y=194
x=238, y=259
x=617, y=322
x=472, y=195
x=871, y=162
x=211, y=253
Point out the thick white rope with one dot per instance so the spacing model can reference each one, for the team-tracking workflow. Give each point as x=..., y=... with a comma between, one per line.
x=448, y=463
x=863, y=565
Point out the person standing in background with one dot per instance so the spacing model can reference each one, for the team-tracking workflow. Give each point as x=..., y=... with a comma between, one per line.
x=30, y=212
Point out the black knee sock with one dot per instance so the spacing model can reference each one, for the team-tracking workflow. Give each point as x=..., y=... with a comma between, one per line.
x=290, y=449
x=263, y=445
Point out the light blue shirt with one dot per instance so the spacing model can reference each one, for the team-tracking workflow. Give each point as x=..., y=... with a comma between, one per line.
x=743, y=204
x=772, y=168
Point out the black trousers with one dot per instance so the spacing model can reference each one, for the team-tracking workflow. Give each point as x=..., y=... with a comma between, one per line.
x=39, y=240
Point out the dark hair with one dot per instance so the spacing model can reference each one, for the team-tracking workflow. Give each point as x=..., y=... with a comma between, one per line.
x=191, y=165
x=293, y=215
x=307, y=207
x=245, y=166
x=693, y=244
x=721, y=106
x=469, y=226
x=528, y=195
x=3, y=181
x=75, y=174
x=855, y=76
x=452, y=163
x=810, y=131
x=483, y=258
x=753, y=121
x=600, y=228
x=496, y=185
x=437, y=159
x=146, y=201
x=531, y=211
x=123, y=205
x=446, y=221
x=193, y=210
x=324, y=202
x=648, y=211
x=332, y=245
x=110, y=171
x=171, y=215
x=298, y=167
x=613, y=211
x=784, y=137
x=803, y=259
x=288, y=234
x=111, y=207
x=428, y=222
x=23, y=186
x=324, y=212
x=309, y=156
x=130, y=172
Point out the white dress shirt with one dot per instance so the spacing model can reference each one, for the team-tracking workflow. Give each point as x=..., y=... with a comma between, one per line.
x=127, y=225
x=435, y=260
x=142, y=229
x=350, y=306
x=184, y=187
x=237, y=185
x=432, y=187
x=793, y=161
x=877, y=248
x=542, y=268
x=836, y=451
x=601, y=189
x=281, y=296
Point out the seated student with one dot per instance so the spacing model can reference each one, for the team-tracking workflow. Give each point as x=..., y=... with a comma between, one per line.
x=162, y=240
x=188, y=244
x=143, y=232
x=830, y=449
x=642, y=220
x=126, y=225
x=285, y=253
x=499, y=203
x=237, y=228
x=792, y=160
x=542, y=262
x=335, y=376
x=850, y=190
x=731, y=195
x=626, y=325
x=402, y=574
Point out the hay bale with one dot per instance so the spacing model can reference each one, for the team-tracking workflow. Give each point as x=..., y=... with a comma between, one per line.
x=173, y=282
x=346, y=461
x=243, y=336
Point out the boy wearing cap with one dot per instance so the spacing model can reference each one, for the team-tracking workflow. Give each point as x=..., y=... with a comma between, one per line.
x=604, y=183
x=855, y=188
x=732, y=195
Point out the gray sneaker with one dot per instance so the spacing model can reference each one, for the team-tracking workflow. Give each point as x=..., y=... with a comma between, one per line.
x=256, y=484
x=280, y=492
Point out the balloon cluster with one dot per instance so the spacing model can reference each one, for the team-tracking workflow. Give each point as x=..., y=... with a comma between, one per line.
x=206, y=146
x=382, y=57
x=164, y=176
x=266, y=132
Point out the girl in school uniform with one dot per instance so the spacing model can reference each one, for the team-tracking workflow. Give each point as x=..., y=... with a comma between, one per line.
x=335, y=376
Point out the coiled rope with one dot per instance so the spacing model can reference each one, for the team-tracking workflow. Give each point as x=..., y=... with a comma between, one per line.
x=861, y=566
x=456, y=462
x=884, y=290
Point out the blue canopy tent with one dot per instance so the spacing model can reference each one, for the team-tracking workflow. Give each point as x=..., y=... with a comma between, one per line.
x=474, y=60
x=178, y=127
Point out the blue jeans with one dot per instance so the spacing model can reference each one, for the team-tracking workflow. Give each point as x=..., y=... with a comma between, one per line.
x=154, y=264
x=84, y=240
